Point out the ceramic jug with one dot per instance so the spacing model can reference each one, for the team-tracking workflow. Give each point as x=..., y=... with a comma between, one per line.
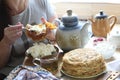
x=72, y=33
x=102, y=24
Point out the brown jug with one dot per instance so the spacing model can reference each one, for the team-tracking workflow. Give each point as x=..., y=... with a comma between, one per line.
x=102, y=24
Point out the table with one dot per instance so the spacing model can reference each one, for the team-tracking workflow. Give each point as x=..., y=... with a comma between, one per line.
x=116, y=56
x=110, y=63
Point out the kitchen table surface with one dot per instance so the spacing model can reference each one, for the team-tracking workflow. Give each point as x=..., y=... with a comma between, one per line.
x=112, y=64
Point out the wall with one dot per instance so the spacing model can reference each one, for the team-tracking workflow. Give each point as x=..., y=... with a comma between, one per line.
x=88, y=10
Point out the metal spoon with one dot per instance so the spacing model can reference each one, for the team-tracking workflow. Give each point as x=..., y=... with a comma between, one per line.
x=24, y=28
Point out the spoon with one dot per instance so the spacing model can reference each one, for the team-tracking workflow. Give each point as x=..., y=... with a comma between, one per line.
x=24, y=28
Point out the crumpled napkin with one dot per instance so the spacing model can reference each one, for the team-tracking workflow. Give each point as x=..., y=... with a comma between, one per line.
x=25, y=74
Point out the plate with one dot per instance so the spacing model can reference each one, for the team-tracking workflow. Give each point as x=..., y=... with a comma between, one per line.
x=105, y=71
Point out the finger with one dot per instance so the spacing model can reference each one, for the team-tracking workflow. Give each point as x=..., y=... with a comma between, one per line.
x=18, y=23
x=11, y=32
x=14, y=37
x=11, y=38
x=15, y=27
x=43, y=20
x=17, y=35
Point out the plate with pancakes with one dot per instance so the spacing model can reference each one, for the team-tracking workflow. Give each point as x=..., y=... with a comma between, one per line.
x=83, y=63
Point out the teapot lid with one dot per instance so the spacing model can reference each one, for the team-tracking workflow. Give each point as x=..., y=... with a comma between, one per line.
x=70, y=19
x=69, y=13
x=101, y=15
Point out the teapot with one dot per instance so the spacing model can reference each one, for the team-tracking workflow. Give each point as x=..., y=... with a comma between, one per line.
x=102, y=24
x=72, y=33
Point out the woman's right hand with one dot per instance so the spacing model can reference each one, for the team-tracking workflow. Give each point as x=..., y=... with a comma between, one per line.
x=12, y=33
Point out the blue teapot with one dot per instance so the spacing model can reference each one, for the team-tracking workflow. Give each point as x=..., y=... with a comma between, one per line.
x=72, y=33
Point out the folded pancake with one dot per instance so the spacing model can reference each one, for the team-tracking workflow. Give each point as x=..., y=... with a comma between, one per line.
x=38, y=32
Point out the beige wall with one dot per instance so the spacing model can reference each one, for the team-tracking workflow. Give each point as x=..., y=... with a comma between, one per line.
x=87, y=10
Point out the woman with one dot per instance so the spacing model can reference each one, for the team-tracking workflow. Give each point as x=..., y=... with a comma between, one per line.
x=13, y=42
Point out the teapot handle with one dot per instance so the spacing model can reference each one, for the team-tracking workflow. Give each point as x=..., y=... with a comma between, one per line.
x=113, y=21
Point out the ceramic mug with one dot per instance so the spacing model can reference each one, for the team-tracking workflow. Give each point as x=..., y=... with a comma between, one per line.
x=49, y=62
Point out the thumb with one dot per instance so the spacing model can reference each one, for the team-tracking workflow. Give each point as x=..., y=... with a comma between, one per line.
x=18, y=23
x=43, y=20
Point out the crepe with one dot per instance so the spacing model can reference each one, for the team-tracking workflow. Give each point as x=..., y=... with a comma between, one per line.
x=83, y=63
x=38, y=32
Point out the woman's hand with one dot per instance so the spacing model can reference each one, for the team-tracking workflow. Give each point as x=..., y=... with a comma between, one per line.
x=50, y=35
x=12, y=33
x=50, y=29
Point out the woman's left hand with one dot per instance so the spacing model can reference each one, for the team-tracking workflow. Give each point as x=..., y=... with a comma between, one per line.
x=50, y=31
x=50, y=35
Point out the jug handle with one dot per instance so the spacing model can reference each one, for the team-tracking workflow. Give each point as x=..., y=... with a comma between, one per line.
x=34, y=62
x=113, y=21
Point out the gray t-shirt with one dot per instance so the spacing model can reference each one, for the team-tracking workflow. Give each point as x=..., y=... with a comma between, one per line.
x=36, y=9
x=31, y=15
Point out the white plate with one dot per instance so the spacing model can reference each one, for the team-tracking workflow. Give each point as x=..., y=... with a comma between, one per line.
x=83, y=77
